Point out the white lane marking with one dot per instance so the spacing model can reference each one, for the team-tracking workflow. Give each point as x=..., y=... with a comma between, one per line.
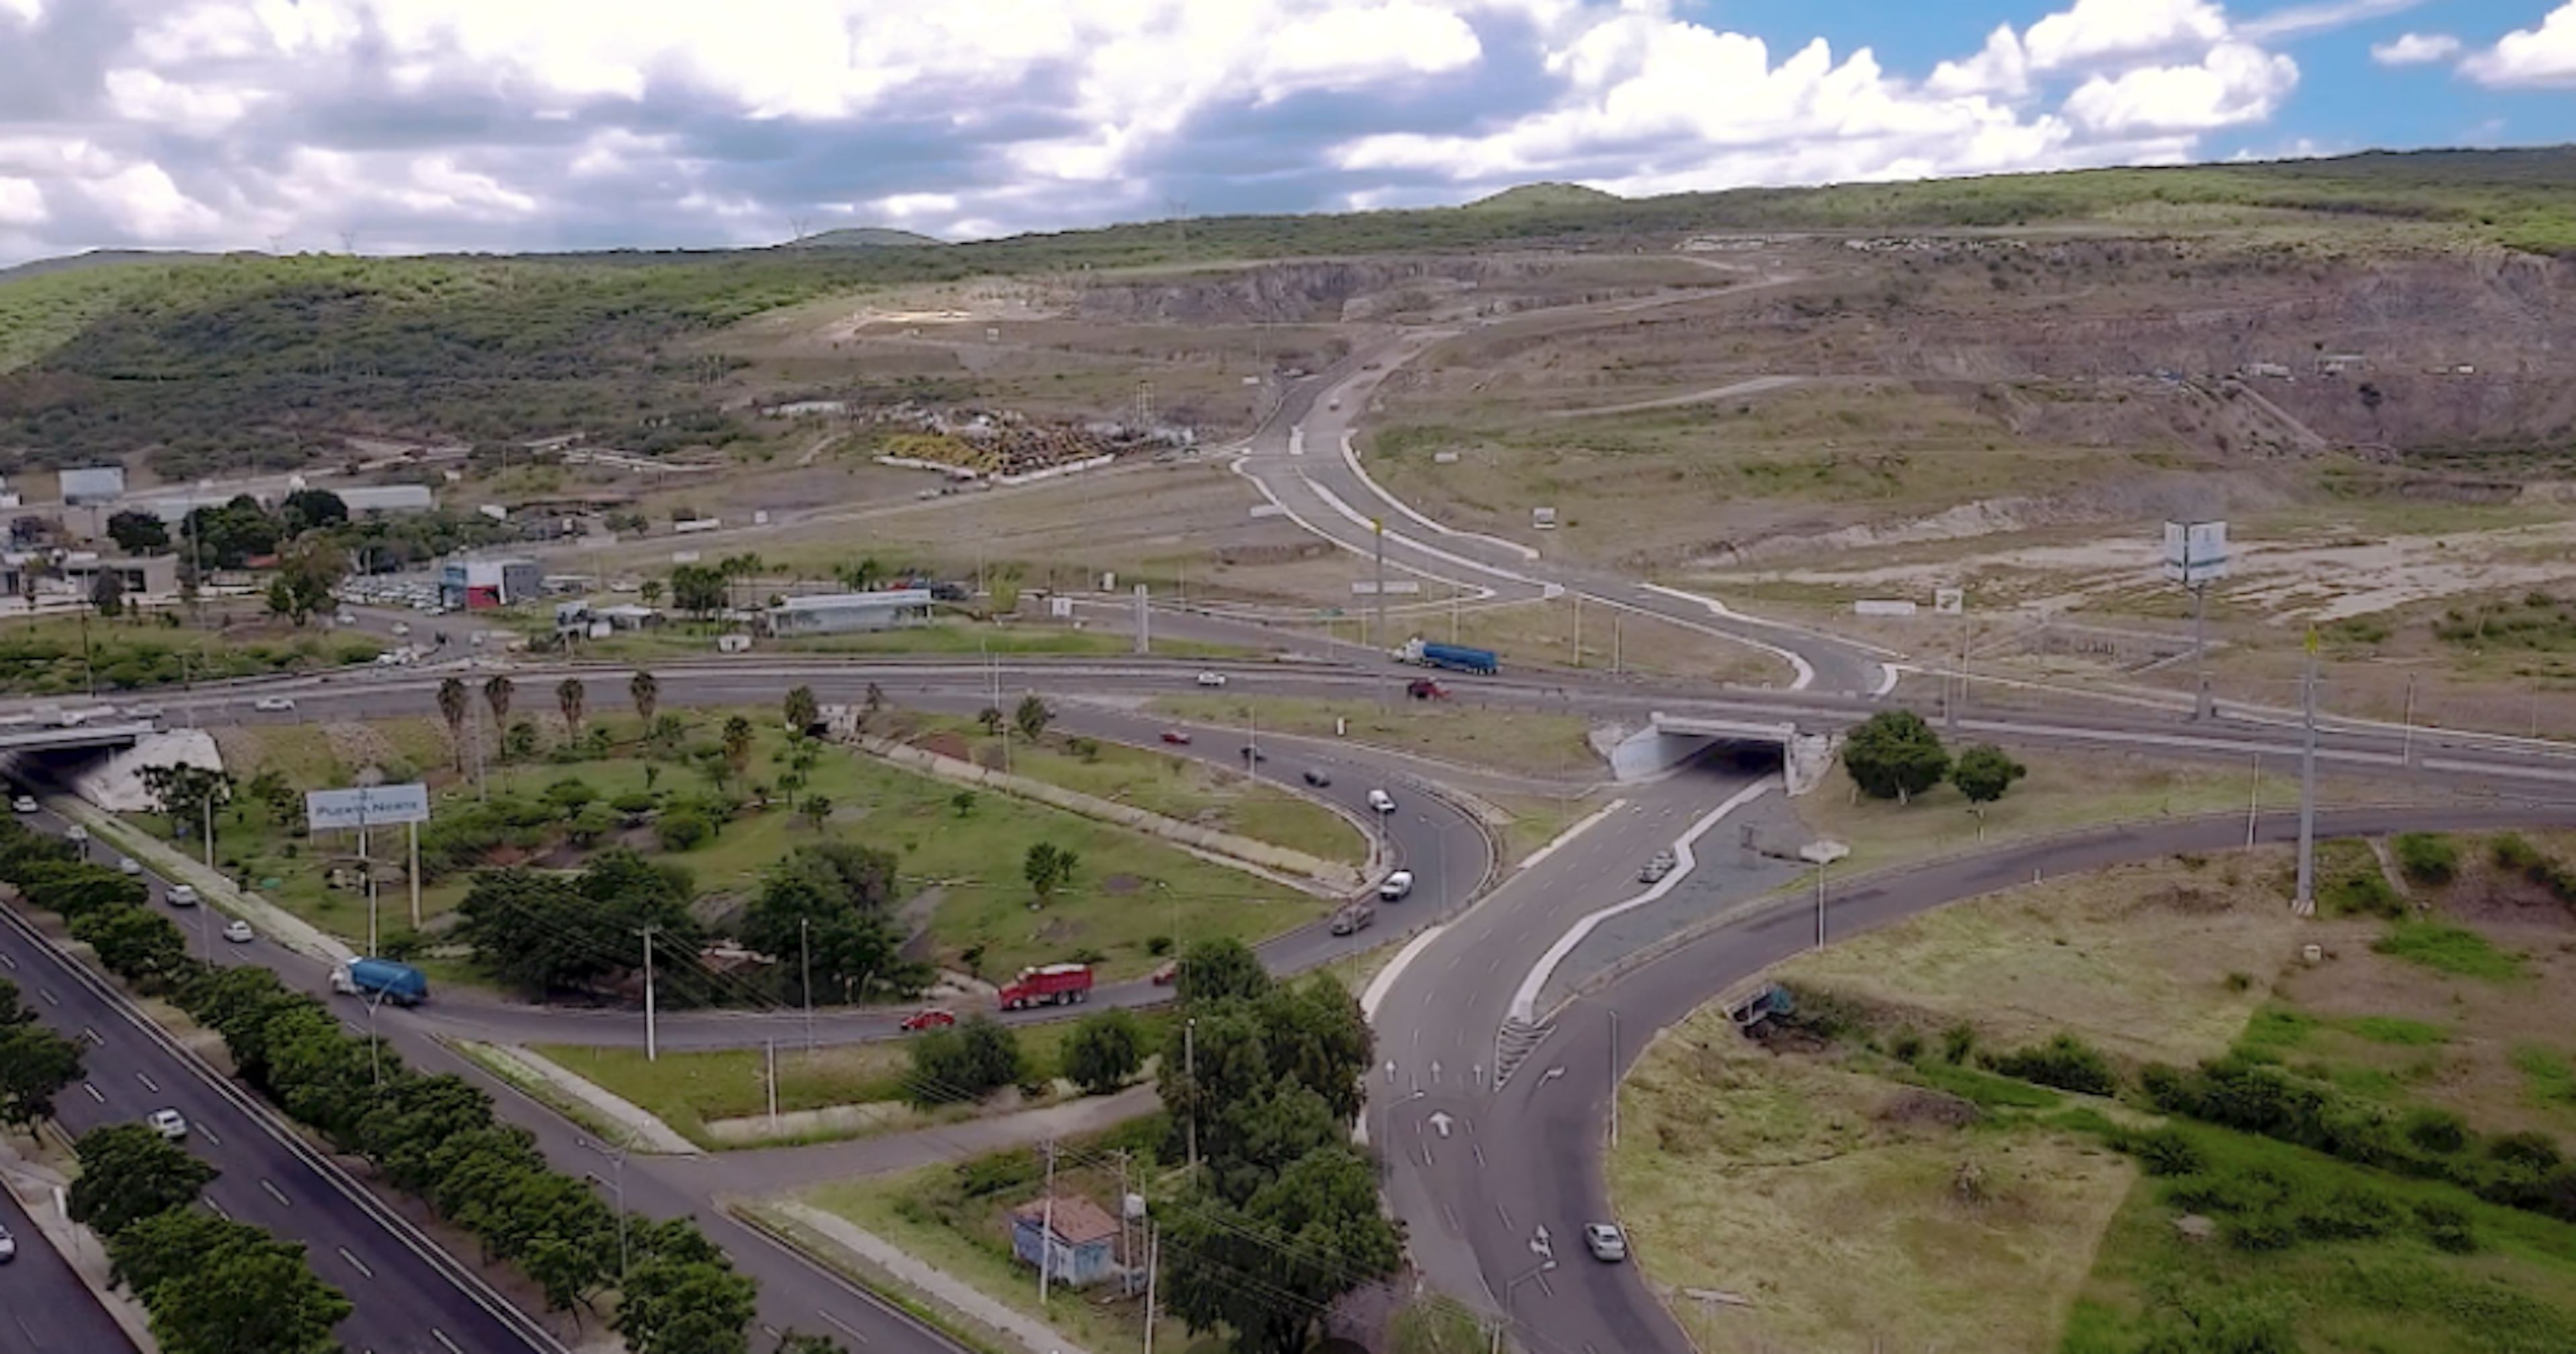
x=273, y=1191
x=1385, y=981
x=356, y=1263
x=1351, y=457
x=12, y=963
x=441, y=1337
x=93, y=1093
x=210, y=1135
x=1525, y=1001
x=147, y=1083
x=854, y=1332
x=48, y=994
x=93, y=1036
x=219, y=1210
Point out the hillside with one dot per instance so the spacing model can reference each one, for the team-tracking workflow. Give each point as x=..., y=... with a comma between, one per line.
x=213, y=364
x=864, y=237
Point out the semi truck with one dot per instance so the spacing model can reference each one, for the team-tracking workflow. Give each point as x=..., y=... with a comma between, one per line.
x=1455, y=657
x=1047, y=985
x=382, y=979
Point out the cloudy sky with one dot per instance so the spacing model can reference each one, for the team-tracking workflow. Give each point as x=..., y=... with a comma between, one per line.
x=408, y=125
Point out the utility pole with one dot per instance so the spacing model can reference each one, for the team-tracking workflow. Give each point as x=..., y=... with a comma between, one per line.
x=1046, y=1228
x=805, y=962
x=1190, y=1069
x=773, y=1086
x=1615, y=618
x=652, y=1051
x=1153, y=1261
x=2305, y=902
x=1377, y=528
x=1614, y=1079
x=1577, y=660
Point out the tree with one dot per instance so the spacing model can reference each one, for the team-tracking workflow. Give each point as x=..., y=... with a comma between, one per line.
x=35, y=1065
x=452, y=708
x=645, y=690
x=737, y=745
x=964, y=1062
x=496, y=695
x=167, y=1245
x=797, y=1342
x=1312, y=1235
x=1983, y=773
x=128, y=1173
x=1103, y=1052
x=815, y=810
x=307, y=572
x=698, y=590
x=305, y=509
x=1221, y=970
x=651, y=592
x=682, y=1296
x=107, y=593
x=1895, y=755
x=276, y=794
x=862, y=575
x=825, y=908
x=873, y=704
x=573, y=699
x=1031, y=717
x=186, y=794
x=139, y=533
x=1048, y=868
x=802, y=710
x=263, y=1299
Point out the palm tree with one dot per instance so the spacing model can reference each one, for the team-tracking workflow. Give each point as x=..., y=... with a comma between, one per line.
x=737, y=744
x=572, y=698
x=496, y=694
x=451, y=707
x=647, y=695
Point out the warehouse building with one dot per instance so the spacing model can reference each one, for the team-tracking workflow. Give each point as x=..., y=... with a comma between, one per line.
x=482, y=584
x=842, y=613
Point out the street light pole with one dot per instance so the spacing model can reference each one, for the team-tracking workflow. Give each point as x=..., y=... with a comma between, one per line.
x=652, y=1052
x=805, y=961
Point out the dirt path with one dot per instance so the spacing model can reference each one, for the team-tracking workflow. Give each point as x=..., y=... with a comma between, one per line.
x=1756, y=386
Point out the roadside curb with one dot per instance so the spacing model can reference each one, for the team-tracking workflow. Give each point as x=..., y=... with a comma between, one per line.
x=874, y=1262
x=516, y=1062
x=80, y=1248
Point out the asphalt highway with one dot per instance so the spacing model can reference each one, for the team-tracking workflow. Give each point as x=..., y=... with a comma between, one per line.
x=1530, y=1157
x=410, y=1297
x=44, y=1306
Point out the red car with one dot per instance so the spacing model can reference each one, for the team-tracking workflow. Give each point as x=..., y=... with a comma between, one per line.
x=932, y=1019
x=1175, y=736
x=1168, y=973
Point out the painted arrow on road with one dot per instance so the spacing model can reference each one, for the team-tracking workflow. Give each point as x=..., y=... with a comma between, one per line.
x=1440, y=1122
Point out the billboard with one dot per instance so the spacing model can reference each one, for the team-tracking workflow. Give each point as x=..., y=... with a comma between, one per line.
x=2195, y=552
x=371, y=806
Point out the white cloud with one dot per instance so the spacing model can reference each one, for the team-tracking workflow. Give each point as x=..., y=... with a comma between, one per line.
x=28, y=11
x=532, y=120
x=2102, y=30
x=22, y=202
x=2527, y=56
x=2000, y=68
x=2319, y=18
x=2234, y=84
x=2415, y=49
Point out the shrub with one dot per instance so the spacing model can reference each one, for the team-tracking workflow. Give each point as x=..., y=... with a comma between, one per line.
x=2167, y=1152
x=2362, y=893
x=2436, y=1130
x=1958, y=1042
x=1906, y=1046
x=634, y=803
x=2447, y=1226
x=2426, y=858
x=684, y=830
x=2065, y=1062
x=2513, y=852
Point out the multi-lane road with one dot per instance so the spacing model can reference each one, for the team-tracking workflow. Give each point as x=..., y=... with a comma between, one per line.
x=410, y=1297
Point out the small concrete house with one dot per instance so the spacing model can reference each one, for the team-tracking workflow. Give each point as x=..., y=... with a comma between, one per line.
x=1083, y=1248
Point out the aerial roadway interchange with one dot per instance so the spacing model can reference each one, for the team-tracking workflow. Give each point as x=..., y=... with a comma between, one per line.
x=1480, y=1164
x=1522, y=1156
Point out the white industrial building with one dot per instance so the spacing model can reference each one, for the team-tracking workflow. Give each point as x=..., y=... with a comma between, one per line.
x=847, y=612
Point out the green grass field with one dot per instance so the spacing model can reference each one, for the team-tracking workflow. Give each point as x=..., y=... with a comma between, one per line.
x=1174, y=787
x=1507, y=740
x=964, y=868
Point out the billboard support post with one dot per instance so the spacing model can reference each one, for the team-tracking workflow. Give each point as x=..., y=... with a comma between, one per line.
x=2195, y=555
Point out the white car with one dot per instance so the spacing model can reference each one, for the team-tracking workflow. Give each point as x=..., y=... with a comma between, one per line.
x=1605, y=1241
x=1381, y=801
x=237, y=931
x=23, y=804
x=1395, y=886
x=183, y=895
x=144, y=712
x=8, y=1246
x=274, y=704
x=401, y=628
x=168, y=1124
x=128, y=865
x=76, y=834
x=1211, y=679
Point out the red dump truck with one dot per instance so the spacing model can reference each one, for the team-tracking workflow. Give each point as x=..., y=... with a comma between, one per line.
x=1047, y=985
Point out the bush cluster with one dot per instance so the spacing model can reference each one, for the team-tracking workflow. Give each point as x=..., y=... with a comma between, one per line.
x=2065, y=1062
x=2518, y=1170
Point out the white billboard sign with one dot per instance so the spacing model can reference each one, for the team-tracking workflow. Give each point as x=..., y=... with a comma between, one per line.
x=1882, y=608
x=2195, y=552
x=369, y=806
x=1393, y=586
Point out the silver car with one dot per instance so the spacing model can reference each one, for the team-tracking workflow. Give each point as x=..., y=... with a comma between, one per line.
x=1607, y=1244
